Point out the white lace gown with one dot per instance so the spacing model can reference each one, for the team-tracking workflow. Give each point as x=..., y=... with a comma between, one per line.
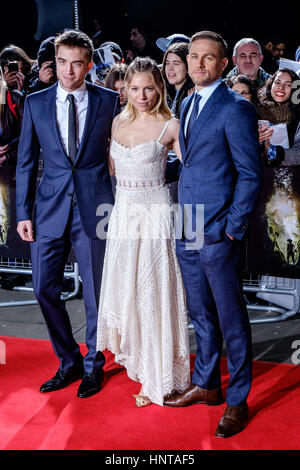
x=142, y=312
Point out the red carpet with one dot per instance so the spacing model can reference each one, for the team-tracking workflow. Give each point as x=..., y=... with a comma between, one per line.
x=30, y=420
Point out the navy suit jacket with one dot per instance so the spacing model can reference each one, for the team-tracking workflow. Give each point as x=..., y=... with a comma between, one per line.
x=222, y=166
x=87, y=177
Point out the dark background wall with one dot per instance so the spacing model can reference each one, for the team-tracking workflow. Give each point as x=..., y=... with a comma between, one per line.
x=233, y=19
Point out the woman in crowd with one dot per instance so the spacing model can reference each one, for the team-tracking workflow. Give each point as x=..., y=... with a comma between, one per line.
x=19, y=79
x=243, y=85
x=115, y=81
x=175, y=73
x=142, y=312
x=11, y=113
x=276, y=105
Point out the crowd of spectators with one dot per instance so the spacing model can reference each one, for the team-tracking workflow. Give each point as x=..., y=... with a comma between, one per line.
x=253, y=62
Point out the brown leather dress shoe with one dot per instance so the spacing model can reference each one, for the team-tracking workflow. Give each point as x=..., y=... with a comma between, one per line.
x=194, y=395
x=233, y=420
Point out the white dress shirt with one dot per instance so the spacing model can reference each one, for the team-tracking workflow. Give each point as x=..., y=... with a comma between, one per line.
x=205, y=94
x=62, y=105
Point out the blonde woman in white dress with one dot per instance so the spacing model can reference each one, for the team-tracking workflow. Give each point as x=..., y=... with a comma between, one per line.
x=142, y=312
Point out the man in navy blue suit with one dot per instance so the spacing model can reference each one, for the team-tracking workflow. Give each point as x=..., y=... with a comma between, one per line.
x=68, y=126
x=221, y=170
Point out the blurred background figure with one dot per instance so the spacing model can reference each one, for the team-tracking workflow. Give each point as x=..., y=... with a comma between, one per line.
x=115, y=50
x=16, y=67
x=105, y=57
x=164, y=43
x=269, y=63
x=44, y=71
x=11, y=113
x=140, y=44
x=278, y=50
x=115, y=81
x=244, y=86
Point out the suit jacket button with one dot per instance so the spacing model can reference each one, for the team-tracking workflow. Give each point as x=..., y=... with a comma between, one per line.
x=70, y=194
x=187, y=165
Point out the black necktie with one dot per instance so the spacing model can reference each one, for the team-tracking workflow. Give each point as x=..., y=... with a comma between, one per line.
x=193, y=116
x=72, y=147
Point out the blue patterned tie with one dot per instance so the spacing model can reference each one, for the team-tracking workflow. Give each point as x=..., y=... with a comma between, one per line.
x=193, y=116
x=72, y=147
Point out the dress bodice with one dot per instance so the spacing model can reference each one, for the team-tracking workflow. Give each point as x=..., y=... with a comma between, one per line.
x=141, y=166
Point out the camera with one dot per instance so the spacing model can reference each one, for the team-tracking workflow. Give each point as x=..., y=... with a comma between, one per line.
x=53, y=67
x=13, y=66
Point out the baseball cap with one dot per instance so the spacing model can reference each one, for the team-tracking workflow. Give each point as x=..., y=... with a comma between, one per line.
x=164, y=43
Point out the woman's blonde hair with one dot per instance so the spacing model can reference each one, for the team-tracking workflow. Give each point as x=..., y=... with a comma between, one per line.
x=146, y=65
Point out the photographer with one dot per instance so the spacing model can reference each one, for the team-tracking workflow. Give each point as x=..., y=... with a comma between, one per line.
x=16, y=67
x=11, y=112
x=44, y=72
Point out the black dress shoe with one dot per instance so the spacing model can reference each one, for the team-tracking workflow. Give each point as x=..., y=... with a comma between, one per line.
x=91, y=384
x=63, y=378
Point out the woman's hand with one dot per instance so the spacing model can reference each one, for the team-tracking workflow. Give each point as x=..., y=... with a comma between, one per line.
x=3, y=150
x=265, y=133
x=14, y=80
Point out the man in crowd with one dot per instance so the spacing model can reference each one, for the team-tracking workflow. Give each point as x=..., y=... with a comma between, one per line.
x=247, y=58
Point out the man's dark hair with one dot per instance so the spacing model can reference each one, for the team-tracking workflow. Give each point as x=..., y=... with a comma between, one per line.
x=72, y=38
x=213, y=37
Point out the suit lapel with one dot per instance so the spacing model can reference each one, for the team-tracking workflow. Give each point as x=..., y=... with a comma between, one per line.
x=92, y=110
x=185, y=109
x=208, y=109
x=50, y=112
x=206, y=112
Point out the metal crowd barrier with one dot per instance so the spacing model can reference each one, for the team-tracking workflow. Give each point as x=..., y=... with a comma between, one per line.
x=274, y=290
x=268, y=288
x=23, y=266
x=271, y=289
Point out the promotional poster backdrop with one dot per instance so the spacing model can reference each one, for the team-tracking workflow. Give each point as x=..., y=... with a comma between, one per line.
x=273, y=242
x=11, y=245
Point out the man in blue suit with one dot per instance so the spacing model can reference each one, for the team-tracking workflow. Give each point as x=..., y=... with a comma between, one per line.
x=221, y=170
x=68, y=125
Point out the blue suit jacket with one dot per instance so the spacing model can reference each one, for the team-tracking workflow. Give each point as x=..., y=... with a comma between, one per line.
x=87, y=177
x=222, y=166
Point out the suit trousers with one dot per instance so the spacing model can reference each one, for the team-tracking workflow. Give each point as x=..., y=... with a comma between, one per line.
x=216, y=306
x=49, y=256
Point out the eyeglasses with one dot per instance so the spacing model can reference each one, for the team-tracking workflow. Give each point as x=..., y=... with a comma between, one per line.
x=245, y=93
